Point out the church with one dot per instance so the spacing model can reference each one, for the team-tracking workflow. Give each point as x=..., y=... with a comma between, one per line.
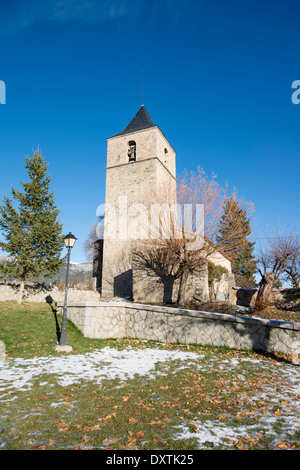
x=141, y=163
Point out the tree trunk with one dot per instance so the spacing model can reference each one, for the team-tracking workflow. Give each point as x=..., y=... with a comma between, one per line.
x=21, y=292
x=182, y=287
x=295, y=279
x=265, y=286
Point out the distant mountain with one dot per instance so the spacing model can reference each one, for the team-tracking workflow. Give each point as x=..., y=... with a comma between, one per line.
x=80, y=273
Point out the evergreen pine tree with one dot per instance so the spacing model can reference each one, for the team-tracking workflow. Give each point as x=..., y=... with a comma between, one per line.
x=237, y=245
x=32, y=233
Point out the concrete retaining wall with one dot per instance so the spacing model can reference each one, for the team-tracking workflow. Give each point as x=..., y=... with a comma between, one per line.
x=165, y=324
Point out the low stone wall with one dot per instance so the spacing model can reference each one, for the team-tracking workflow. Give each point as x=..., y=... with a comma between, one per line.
x=286, y=299
x=39, y=293
x=173, y=325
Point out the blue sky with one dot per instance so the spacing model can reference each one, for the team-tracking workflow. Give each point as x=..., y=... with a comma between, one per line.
x=217, y=81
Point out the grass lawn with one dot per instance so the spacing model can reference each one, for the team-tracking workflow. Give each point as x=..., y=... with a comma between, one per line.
x=131, y=394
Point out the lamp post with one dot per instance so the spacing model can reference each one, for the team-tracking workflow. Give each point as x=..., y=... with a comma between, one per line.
x=69, y=243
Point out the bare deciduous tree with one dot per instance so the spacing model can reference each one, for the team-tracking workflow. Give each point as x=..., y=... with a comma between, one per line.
x=188, y=234
x=95, y=233
x=292, y=272
x=274, y=259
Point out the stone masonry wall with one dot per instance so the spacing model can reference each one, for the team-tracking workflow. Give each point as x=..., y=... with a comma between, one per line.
x=130, y=188
x=39, y=294
x=164, y=324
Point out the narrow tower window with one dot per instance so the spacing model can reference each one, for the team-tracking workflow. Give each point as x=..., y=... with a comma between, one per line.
x=165, y=153
x=131, y=151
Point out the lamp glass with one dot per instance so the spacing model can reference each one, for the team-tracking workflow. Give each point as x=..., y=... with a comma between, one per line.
x=70, y=240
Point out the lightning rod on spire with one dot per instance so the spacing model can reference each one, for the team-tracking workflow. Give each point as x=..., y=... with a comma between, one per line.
x=142, y=87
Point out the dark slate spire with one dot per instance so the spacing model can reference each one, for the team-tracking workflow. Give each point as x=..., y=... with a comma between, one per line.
x=140, y=121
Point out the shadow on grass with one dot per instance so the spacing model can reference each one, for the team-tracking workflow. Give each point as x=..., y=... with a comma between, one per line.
x=50, y=302
x=275, y=357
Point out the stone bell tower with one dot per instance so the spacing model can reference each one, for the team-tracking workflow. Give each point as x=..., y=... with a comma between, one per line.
x=140, y=163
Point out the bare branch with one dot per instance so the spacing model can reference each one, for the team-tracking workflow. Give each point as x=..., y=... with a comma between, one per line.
x=183, y=240
x=279, y=252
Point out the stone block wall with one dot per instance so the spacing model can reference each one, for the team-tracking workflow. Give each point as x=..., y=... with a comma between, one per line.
x=39, y=293
x=98, y=320
x=149, y=287
x=130, y=189
x=166, y=324
x=286, y=299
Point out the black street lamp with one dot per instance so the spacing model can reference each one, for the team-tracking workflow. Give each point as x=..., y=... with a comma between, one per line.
x=69, y=242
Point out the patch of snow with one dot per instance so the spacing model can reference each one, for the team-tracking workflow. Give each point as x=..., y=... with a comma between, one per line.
x=241, y=308
x=213, y=433
x=106, y=363
x=110, y=364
